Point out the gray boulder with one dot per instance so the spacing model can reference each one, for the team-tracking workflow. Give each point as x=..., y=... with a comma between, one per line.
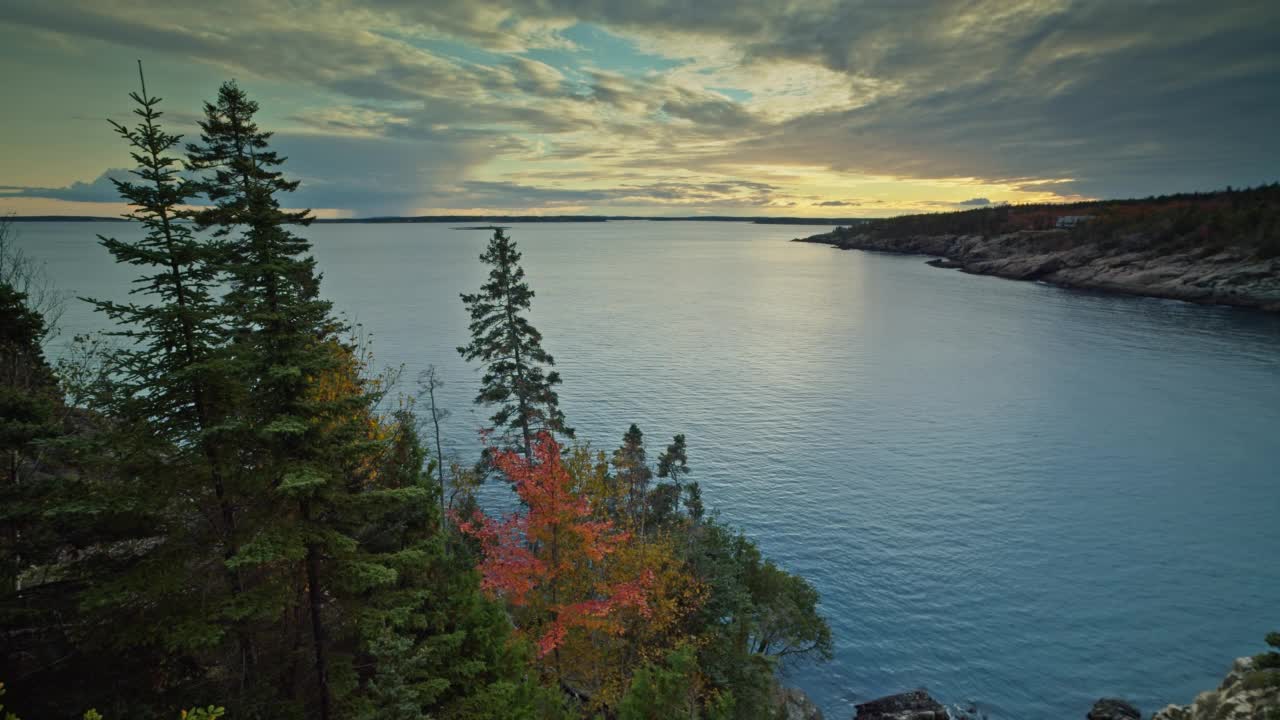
x=795, y=705
x=1113, y=709
x=914, y=705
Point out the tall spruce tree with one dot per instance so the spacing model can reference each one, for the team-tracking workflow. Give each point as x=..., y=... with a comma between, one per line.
x=156, y=469
x=282, y=336
x=172, y=376
x=510, y=349
x=342, y=536
x=170, y=360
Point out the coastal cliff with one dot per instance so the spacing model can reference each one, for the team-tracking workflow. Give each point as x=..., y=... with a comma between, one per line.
x=1220, y=247
x=1251, y=691
x=1216, y=275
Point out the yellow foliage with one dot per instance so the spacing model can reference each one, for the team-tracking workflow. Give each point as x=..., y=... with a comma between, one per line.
x=603, y=664
x=341, y=394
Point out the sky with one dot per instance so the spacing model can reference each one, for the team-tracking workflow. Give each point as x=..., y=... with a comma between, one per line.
x=830, y=108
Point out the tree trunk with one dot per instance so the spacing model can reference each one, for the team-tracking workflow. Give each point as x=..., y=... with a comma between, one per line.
x=317, y=623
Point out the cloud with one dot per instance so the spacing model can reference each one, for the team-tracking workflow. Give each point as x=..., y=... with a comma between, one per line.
x=411, y=102
x=979, y=202
x=689, y=193
x=100, y=189
x=364, y=175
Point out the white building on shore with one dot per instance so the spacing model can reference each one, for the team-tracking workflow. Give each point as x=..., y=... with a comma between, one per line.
x=1070, y=221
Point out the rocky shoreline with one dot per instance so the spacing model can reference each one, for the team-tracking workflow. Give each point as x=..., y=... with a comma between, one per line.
x=1211, y=276
x=1250, y=691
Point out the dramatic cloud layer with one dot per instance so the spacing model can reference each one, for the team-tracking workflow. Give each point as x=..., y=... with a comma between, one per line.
x=671, y=107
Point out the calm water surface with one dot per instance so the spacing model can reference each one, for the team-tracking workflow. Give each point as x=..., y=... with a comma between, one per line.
x=1010, y=494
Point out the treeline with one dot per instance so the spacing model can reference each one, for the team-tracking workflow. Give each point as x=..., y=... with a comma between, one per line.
x=1248, y=219
x=223, y=505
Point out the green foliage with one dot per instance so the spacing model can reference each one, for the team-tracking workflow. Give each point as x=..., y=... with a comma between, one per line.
x=1269, y=660
x=674, y=461
x=1262, y=679
x=224, y=511
x=5, y=715
x=672, y=689
x=756, y=617
x=236, y=519
x=664, y=501
x=515, y=380
x=1247, y=219
x=632, y=474
x=210, y=712
x=206, y=713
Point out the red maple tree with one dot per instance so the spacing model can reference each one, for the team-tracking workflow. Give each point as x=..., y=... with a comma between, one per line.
x=547, y=559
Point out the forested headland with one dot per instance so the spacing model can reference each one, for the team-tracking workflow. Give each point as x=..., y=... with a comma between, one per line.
x=1216, y=247
x=222, y=508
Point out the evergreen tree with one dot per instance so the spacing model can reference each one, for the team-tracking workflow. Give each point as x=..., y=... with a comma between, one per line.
x=440, y=648
x=664, y=501
x=135, y=524
x=167, y=365
x=342, y=536
x=96, y=549
x=632, y=473
x=172, y=376
x=693, y=501
x=510, y=349
x=282, y=338
x=673, y=690
x=28, y=403
x=674, y=461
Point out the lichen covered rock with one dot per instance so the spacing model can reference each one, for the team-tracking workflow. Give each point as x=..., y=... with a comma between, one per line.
x=793, y=704
x=1247, y=693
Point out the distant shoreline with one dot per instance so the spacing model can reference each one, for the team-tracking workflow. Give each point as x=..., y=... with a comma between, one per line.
x=1220, y=277
x=62, y=218
x=495, y=219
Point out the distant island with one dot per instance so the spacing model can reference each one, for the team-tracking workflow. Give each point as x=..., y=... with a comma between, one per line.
x=63, y=218
x=1218, y=247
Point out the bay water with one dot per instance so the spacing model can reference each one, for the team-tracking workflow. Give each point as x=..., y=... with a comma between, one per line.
x=1018, y=497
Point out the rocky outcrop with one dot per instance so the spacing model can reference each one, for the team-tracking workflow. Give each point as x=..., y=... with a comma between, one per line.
x=1247, y=693
x=914, y=705
x=1218, y=276
x=793, y=704
x=1113, y=709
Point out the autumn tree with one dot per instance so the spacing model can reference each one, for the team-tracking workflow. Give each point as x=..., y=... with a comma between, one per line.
x=516, y=381
x=547, y=560
x=431, y=642
x=606, y=663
